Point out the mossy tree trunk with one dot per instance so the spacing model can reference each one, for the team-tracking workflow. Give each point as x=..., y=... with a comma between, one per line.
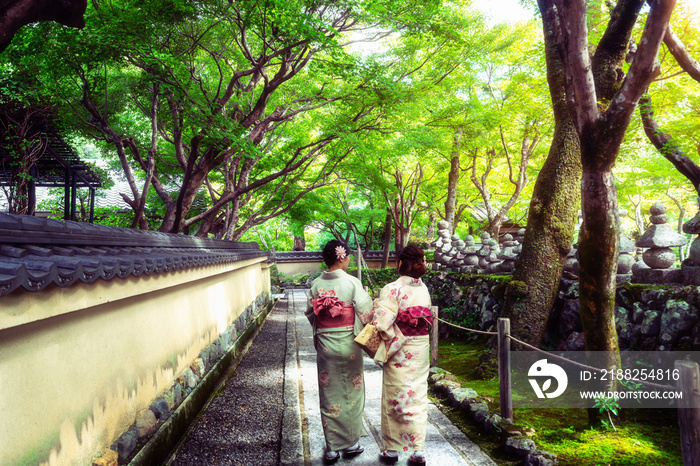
x=552, y=217
x=601, y=105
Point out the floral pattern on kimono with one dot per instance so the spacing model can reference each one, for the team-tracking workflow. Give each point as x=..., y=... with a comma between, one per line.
x=405, y=372
x=393, y=299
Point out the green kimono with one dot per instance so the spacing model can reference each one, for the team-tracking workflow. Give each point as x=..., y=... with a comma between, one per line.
x=338, y=309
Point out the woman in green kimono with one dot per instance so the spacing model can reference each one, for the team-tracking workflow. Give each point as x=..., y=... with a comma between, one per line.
x=338, y=309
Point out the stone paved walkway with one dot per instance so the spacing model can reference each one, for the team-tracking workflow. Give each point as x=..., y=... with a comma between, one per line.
x=267, y=413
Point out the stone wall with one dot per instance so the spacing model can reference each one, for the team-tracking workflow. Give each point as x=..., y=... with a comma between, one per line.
x=648, y=317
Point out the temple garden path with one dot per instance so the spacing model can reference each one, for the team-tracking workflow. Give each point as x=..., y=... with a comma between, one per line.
x=267, y=412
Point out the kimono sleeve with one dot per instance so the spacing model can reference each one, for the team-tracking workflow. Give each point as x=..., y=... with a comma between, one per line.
x=310, y=308
x=363, y=304
x=385, y=311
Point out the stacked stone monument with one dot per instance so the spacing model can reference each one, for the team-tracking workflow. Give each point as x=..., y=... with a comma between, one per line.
x=443, y=246
x=471, y=260
x=466, y=256
x=508, y=254
x=626, y=259
x=659, y=257
x=494, y=262
x=457, y=257
x=483, y=253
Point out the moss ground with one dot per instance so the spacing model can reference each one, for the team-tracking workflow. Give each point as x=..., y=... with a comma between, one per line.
x=643, y=437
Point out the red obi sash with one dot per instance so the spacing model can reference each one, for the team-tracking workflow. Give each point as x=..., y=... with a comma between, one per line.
x=415, y=321
x=332, y=312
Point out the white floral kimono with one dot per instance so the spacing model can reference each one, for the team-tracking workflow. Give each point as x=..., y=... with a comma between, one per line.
x=338, y=309
x=402, y=316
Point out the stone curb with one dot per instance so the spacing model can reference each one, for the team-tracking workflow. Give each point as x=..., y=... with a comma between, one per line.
x=292, y=442
x=444, y=383
x=201, y=385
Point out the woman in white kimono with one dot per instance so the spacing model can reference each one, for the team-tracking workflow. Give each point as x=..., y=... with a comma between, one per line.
x=338, y=309
x=402, y=316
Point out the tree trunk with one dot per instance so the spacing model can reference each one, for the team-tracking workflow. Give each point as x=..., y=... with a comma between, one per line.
x=452, y=179
x=552, y=216
x=494, y=228
x=430, y=231
x=387, y=239
x=299, y=243
x=17, y=13
x=598, y=266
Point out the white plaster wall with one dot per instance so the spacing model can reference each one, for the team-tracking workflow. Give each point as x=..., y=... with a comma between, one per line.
x=73, y=375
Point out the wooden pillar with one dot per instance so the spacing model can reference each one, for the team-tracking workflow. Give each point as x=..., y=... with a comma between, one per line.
x=689, y=411
x=92, y=204
x=504, y=369
x=434, y=349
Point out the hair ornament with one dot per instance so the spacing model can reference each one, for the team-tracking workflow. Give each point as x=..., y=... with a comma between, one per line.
x=340, y=252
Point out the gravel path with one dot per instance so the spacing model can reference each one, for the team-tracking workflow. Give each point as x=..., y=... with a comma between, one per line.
x=242, y=426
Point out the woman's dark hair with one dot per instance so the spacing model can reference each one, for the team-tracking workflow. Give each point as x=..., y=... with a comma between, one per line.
x=412, y=260
x=330, y=255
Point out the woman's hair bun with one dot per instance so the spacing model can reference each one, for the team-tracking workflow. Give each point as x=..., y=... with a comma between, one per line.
x=412, y=260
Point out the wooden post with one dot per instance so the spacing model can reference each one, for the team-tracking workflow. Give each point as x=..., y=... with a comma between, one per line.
x=689, y=411
x=434, y=357
x=504, y=369
x=359, y=261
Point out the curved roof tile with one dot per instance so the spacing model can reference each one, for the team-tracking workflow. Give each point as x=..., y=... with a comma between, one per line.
x=35, y=252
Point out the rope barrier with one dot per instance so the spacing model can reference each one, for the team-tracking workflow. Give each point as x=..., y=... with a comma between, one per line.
x=467, y=329
x=554, y=356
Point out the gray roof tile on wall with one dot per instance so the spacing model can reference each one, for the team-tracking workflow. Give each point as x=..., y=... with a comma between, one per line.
x=301, y=256
x=36, y=253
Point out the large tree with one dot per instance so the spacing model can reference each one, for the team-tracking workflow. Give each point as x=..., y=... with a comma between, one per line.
x=593, y=101
x=198, y=104
x=601, y=110
x=530, y=296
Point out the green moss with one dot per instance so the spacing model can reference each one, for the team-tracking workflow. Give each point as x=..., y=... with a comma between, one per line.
x=643, y=436
x=517, y=289
x=636, y=289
